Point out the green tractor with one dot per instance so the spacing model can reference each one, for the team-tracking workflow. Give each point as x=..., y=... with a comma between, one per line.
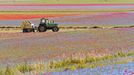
x=46, y=24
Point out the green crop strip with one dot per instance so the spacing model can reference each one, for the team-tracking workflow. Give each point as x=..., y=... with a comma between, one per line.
x=73, y=64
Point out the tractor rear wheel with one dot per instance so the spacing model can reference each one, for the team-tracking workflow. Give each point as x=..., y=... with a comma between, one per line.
x=55, y=29
x=42, y=28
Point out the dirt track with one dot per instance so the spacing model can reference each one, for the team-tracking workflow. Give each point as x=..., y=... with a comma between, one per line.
x=37, y=46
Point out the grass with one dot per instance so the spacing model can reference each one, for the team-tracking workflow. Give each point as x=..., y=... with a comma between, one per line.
x=7, y=71
x=24, y=68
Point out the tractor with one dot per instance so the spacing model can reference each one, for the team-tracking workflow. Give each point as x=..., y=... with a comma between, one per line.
x=44, y=25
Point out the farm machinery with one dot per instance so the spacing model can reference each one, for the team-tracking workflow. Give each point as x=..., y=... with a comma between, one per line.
x=44, y=25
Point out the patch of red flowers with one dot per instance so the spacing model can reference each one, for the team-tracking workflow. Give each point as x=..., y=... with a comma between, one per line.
x=29, y=16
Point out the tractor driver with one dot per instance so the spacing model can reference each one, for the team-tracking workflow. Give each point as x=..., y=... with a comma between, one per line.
x=33, y=26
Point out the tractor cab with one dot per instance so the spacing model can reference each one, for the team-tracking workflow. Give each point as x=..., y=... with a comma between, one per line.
x=43, y=21
x=46, y=21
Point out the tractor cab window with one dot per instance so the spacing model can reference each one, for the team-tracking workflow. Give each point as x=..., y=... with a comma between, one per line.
x=47, y=21
x=52, y=21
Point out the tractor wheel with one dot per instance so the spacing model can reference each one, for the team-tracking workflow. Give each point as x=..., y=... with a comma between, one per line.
x=55, y=29
x=25, y=30
x=42, y=28
x=33, y=30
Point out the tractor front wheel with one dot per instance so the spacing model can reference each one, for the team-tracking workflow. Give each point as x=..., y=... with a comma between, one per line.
x=55, y=29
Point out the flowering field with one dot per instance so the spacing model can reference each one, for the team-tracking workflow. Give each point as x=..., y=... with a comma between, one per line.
x=93, y=41
x=92, y=50
x=48, y=48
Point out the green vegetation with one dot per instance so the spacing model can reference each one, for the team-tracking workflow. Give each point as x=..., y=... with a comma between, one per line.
x=90, y=62
x=7, y=71
x=24, y=68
